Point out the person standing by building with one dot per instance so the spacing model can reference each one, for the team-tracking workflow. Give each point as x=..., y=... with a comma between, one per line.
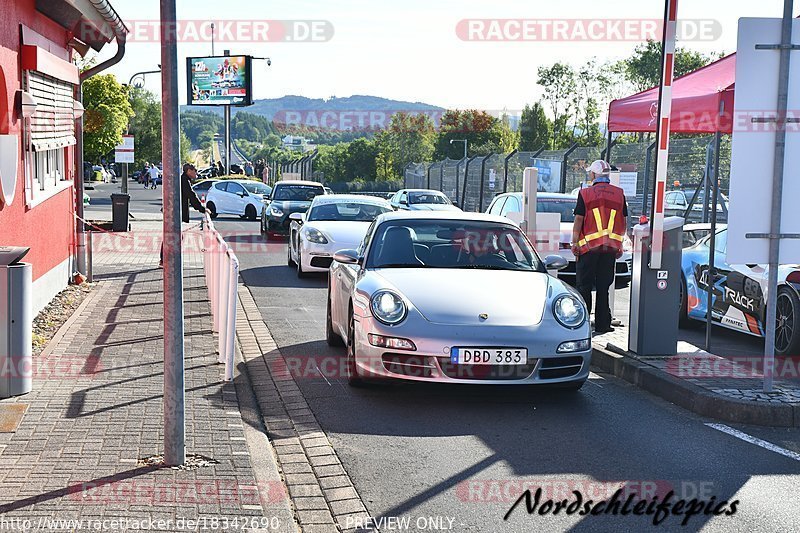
x=153, y=172
x=601, y=215
x=188, y=198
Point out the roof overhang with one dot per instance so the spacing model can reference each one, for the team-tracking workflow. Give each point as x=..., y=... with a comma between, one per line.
x=92, y=21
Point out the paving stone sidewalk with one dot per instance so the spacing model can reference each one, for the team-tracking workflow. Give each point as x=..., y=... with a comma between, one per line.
x=96, y=413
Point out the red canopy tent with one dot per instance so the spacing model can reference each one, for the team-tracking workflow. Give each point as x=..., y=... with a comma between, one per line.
x=696, y=101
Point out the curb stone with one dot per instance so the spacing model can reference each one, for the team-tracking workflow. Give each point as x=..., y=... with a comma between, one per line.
x=693, y=397
x=323, y=497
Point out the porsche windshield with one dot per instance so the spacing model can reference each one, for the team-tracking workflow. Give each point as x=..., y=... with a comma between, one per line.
x=298, y=193
x=462, y=244
x=352, y=211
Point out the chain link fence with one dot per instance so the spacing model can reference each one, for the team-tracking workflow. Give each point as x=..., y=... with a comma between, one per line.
x=472, y=183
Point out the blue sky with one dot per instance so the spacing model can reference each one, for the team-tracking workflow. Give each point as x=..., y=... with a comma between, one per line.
x=409, y=49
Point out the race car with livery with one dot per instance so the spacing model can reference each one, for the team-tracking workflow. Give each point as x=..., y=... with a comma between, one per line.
x=739, y=294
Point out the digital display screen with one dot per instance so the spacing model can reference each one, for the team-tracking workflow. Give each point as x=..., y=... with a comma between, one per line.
x=220, y=80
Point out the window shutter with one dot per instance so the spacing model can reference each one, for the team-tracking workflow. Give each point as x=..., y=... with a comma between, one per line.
x=53, y=123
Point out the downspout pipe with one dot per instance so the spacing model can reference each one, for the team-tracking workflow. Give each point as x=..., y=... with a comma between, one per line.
x=121, y=33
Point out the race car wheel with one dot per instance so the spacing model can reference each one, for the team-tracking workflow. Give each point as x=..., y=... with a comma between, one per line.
x=787, y=329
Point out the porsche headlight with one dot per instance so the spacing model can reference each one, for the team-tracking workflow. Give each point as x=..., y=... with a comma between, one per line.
x=569, y=311
x=276, y=212
x=314, y=235
x=388, y=307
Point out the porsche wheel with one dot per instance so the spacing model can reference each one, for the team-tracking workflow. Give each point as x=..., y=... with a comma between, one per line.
x=289, y=260
x=787, y=329
x=352, y=373
x=331, y=336
x=300, y=273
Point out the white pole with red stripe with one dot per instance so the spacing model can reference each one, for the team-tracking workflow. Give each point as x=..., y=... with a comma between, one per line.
x=662, y=132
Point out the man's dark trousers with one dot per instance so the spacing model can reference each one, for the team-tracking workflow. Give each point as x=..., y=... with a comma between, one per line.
x=596, y=270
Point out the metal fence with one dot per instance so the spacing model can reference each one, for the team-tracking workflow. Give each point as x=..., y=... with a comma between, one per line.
x=472, y=183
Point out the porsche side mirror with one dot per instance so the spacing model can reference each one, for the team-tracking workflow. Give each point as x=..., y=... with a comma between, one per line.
x=555, y=262
x=297, y=217
x=347, y=257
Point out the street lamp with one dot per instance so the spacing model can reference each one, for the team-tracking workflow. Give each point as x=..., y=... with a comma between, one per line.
x=142, y=74
x=461, y=141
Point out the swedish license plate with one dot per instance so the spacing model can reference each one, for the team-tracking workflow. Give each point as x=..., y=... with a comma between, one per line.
x=489, y=356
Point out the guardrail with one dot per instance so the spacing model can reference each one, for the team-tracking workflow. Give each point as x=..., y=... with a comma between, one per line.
x=221, y=268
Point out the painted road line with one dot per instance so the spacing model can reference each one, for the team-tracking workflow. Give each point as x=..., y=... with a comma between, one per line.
x=754, y=440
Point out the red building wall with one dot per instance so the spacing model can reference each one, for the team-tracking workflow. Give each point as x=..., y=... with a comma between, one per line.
x=49, y=227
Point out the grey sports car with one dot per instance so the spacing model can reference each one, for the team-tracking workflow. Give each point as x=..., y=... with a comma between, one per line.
x=458, y=298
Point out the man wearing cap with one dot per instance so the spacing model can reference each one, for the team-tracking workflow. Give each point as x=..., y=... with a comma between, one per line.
x=601, y=217
x=188, y=197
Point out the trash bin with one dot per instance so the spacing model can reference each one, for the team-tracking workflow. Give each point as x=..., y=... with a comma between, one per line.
x=16, y=323
x=119, y=211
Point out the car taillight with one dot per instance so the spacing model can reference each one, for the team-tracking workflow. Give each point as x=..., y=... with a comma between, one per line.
x=793, y=277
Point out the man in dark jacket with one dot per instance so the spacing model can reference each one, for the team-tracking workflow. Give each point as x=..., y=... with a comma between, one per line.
x=188, y=197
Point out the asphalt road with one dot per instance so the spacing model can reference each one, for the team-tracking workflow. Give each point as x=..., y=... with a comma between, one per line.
x=459, y=453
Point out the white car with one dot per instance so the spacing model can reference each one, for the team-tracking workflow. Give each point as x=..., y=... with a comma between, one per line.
x=332, y=223
x=564, y=204
x=421, y=200
x=201, y=188
x=245, y=198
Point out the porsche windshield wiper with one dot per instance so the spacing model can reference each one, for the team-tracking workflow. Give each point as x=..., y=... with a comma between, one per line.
x=491, y=267
x=402, y=265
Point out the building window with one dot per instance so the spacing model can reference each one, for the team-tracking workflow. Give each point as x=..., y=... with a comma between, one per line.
x=48, y=168
x=49, y=133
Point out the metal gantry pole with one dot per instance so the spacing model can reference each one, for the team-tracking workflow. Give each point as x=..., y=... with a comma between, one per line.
x=663, y=127
x=777, y=195
x=174, y=394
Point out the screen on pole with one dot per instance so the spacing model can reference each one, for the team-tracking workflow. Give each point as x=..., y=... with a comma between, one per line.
x=220, y=80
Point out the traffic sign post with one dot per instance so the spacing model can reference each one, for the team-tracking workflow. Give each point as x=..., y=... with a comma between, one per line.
x=124, y=154
x=758, y=223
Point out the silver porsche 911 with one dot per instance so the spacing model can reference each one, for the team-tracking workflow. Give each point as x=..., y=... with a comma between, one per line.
x=455, y=298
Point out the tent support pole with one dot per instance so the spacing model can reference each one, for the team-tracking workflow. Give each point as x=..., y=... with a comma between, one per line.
x=712, y=243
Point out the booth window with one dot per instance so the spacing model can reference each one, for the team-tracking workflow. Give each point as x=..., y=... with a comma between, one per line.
x=48, y=134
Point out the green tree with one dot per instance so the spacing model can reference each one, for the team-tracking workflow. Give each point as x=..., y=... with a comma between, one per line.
x=360, y=160
x=559, y=85
x=481, y=130
x=145, y=125
x=535, y=129
x=409, y=138
x=643, y=68
x=106, y=117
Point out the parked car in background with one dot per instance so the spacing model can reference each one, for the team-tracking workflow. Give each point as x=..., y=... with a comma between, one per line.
x=739, y=294
x=421, y=200
x=564, y=205
x=201, y=188
x=207, y=172
x=677, y=201
x=332, y=223
x=289, y=196
x=237, y=197
x=505, y=320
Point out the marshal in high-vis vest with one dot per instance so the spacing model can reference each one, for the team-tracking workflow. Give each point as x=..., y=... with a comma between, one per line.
x=601, y=217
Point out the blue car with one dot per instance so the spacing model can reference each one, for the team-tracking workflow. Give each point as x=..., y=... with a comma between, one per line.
x=739, y=294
